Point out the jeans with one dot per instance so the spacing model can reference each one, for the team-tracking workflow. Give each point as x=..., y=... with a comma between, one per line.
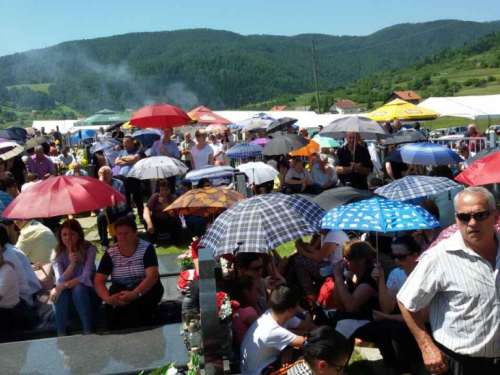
x=83, y=299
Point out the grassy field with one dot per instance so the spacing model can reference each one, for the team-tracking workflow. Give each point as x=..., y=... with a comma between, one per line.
x=43, y=87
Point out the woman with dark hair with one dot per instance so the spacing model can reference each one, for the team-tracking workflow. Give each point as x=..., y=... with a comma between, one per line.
x=247, y=296
x=202, y=183
x=252, y=265
x=135, y=291
x=161, y=225
x=73, y=261
x=326, y=352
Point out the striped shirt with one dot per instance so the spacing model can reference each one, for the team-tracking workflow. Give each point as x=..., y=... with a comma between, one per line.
x=463, y=291
x=128, y=270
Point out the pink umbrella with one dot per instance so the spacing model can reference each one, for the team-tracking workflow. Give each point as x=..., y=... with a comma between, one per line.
x=261, y=141
x=448, y=232
x=216, y=128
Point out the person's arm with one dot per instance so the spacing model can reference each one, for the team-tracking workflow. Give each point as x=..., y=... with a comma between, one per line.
x=210, y=159
x=305, y=325
x=434, y=360
x=307, y=177
x=147, y=217
x=351, y=302
x=388, y=169
x=119, y=161
x=131, y=158
x=343, y=170
x=290, y=181
x=360, y=169
x=103, y=292
x=379, y=316
x=145, y=286
x=386, y=297
x=316, y=255
x=88, y=270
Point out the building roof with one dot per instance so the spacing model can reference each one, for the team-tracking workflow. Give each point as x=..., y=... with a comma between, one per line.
x=346, y=104
x=278, y=108
x=408, y=95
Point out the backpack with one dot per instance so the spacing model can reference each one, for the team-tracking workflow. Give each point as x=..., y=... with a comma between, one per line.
x=325, y=296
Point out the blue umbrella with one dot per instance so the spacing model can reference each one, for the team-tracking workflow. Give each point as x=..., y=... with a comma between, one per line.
x=22, y=133
x=104, y=145
x=244, y=150
x=379, y=215
x=411, y=187
x=426, y=154
x=211, y=172
x=82, y=135
x=147, y=136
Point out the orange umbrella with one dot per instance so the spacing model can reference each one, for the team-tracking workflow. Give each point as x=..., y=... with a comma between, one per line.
x=204, y=202
x=206, y=116
x=309, y=150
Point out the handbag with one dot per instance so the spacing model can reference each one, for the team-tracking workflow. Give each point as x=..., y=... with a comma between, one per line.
x=45, y=275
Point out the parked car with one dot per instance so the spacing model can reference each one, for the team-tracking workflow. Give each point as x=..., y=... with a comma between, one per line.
x=493, y=129
x=436, y=133
x=456, y=130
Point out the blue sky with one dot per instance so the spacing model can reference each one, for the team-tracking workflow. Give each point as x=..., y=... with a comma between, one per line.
x=30, y=24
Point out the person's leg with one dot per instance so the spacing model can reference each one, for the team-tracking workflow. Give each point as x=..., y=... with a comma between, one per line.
x=136, y=188
x=128, y=192
x=81, y=299
x=148, y=303
x=307, y=271
x=102, y=229
x=60, y=309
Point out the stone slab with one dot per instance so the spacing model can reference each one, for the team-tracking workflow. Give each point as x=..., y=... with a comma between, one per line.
x=95, y=354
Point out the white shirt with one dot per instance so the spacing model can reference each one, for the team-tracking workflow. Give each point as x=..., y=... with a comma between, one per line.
x=217, y=147
x=33, y=282
x=22, y=281
x=263, y=343
x=9, y=289
x=200, y=157
x=463, y=291
x=340, y=238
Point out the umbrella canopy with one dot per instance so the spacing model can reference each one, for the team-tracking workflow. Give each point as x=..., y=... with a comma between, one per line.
x=216, y=128
x=22, y=133
x=8, y=134
x=326, y=142
x=205, y=116
x=312, y=148
x=340, y=196
x=159, y=167
x=262, y=223
x=147, y=136
x=244, y=150
x=115, y=126
x=261, y=142
x=481, y=154
x=284, y=144
x=379, y=215
x=257, y=124
x=280, y=124
x=405, y=136
x=160, y=116
x=10, y=149
x=367, y=128
x=62, y=195
x=111, y=156
x=482, y=172
x=104, y=145
x=425, y=154
x=37, y=141
x=82, y=135
x=104, y=117
x=204, y=202
x=260, y=118
x=211, y=172
x=258, y=172
x=411, y=187
x=403, y=110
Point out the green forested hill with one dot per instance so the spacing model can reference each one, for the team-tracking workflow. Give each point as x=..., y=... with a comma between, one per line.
x=217, y=68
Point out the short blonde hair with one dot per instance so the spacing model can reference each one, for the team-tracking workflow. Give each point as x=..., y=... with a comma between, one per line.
x=200, y=133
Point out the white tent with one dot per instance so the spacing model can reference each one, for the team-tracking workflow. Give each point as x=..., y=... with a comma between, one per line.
x=473, y=107
x=64, y=125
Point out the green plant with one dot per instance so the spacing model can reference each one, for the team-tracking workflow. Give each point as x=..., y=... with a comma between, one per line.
x=185, y=263
x=194, y=364
x=163, y=370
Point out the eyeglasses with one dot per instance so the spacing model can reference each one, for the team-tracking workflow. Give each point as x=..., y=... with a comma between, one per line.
x=400, y=257
x=478, y=216
x=339, y=369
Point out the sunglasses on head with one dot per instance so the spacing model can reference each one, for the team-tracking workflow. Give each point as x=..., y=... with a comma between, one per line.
x=400, y=257
x=478, y=216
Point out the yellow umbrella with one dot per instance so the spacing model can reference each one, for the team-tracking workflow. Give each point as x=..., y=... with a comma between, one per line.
x=127, y=125
x=403, y=110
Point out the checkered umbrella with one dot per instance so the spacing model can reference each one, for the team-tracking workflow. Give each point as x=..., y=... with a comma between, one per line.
x=262, y=223
x=411, y=187
x=244, y=150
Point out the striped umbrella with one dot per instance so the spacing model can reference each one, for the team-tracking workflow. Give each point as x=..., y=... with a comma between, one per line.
x=411, y=187
x=426, y=154
x=244, y=150
x=211, y=172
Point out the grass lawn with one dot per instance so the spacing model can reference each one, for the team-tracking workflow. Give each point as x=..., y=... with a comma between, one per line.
x=43, y=87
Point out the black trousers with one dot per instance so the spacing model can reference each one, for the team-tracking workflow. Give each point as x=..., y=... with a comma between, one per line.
x=461, y=364
x=141, y=312
x=133, y=188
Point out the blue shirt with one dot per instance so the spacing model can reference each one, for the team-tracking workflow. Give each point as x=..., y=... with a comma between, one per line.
x=124, y=169
x=171, y=148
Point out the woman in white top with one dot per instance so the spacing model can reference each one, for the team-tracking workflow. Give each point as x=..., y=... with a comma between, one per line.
x=201, y=154
x=315, y=261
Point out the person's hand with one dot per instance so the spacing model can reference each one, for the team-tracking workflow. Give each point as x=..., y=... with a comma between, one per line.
x=378, y=315
x=36, y=266
x=73, y=257
x=55, y=293
x=271, y=283
x=286, y=356
x=353, y=166
x=115, y=300
x=128, y=296
x=378, y=274
x=434, y=359
x=338, y=270
x=151, y=228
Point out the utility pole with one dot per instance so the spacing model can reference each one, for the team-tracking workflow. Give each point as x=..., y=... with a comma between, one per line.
x=315, y=76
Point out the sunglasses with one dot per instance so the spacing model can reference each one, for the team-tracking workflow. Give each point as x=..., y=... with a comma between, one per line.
x=400, y=257
x=478, y=216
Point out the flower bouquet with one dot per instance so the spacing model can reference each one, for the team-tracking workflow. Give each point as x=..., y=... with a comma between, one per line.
x=225, y=307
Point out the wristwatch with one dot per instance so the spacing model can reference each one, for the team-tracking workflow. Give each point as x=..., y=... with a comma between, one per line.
x=139, y=293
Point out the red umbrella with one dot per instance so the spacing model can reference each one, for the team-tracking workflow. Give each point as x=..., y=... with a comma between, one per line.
x=160, y=116
x=448, y=232
x=482, y=172
x=62, y=195
x=206, y=116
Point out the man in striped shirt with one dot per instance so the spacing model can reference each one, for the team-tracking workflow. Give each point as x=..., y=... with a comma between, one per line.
x=459, y=279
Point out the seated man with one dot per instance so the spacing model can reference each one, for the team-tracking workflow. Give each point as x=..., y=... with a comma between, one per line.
x=323, y=174
x=77, y=170
x=298, y=180
x=35, y=240
x=269, y=335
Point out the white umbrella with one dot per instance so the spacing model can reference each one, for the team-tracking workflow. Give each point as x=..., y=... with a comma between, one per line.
x=10, y=149
x=258, y=172
x=157, y=167
x=367, y=128
x=257, y=124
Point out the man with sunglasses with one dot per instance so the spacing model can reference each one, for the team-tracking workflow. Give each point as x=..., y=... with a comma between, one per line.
x=458, y=279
